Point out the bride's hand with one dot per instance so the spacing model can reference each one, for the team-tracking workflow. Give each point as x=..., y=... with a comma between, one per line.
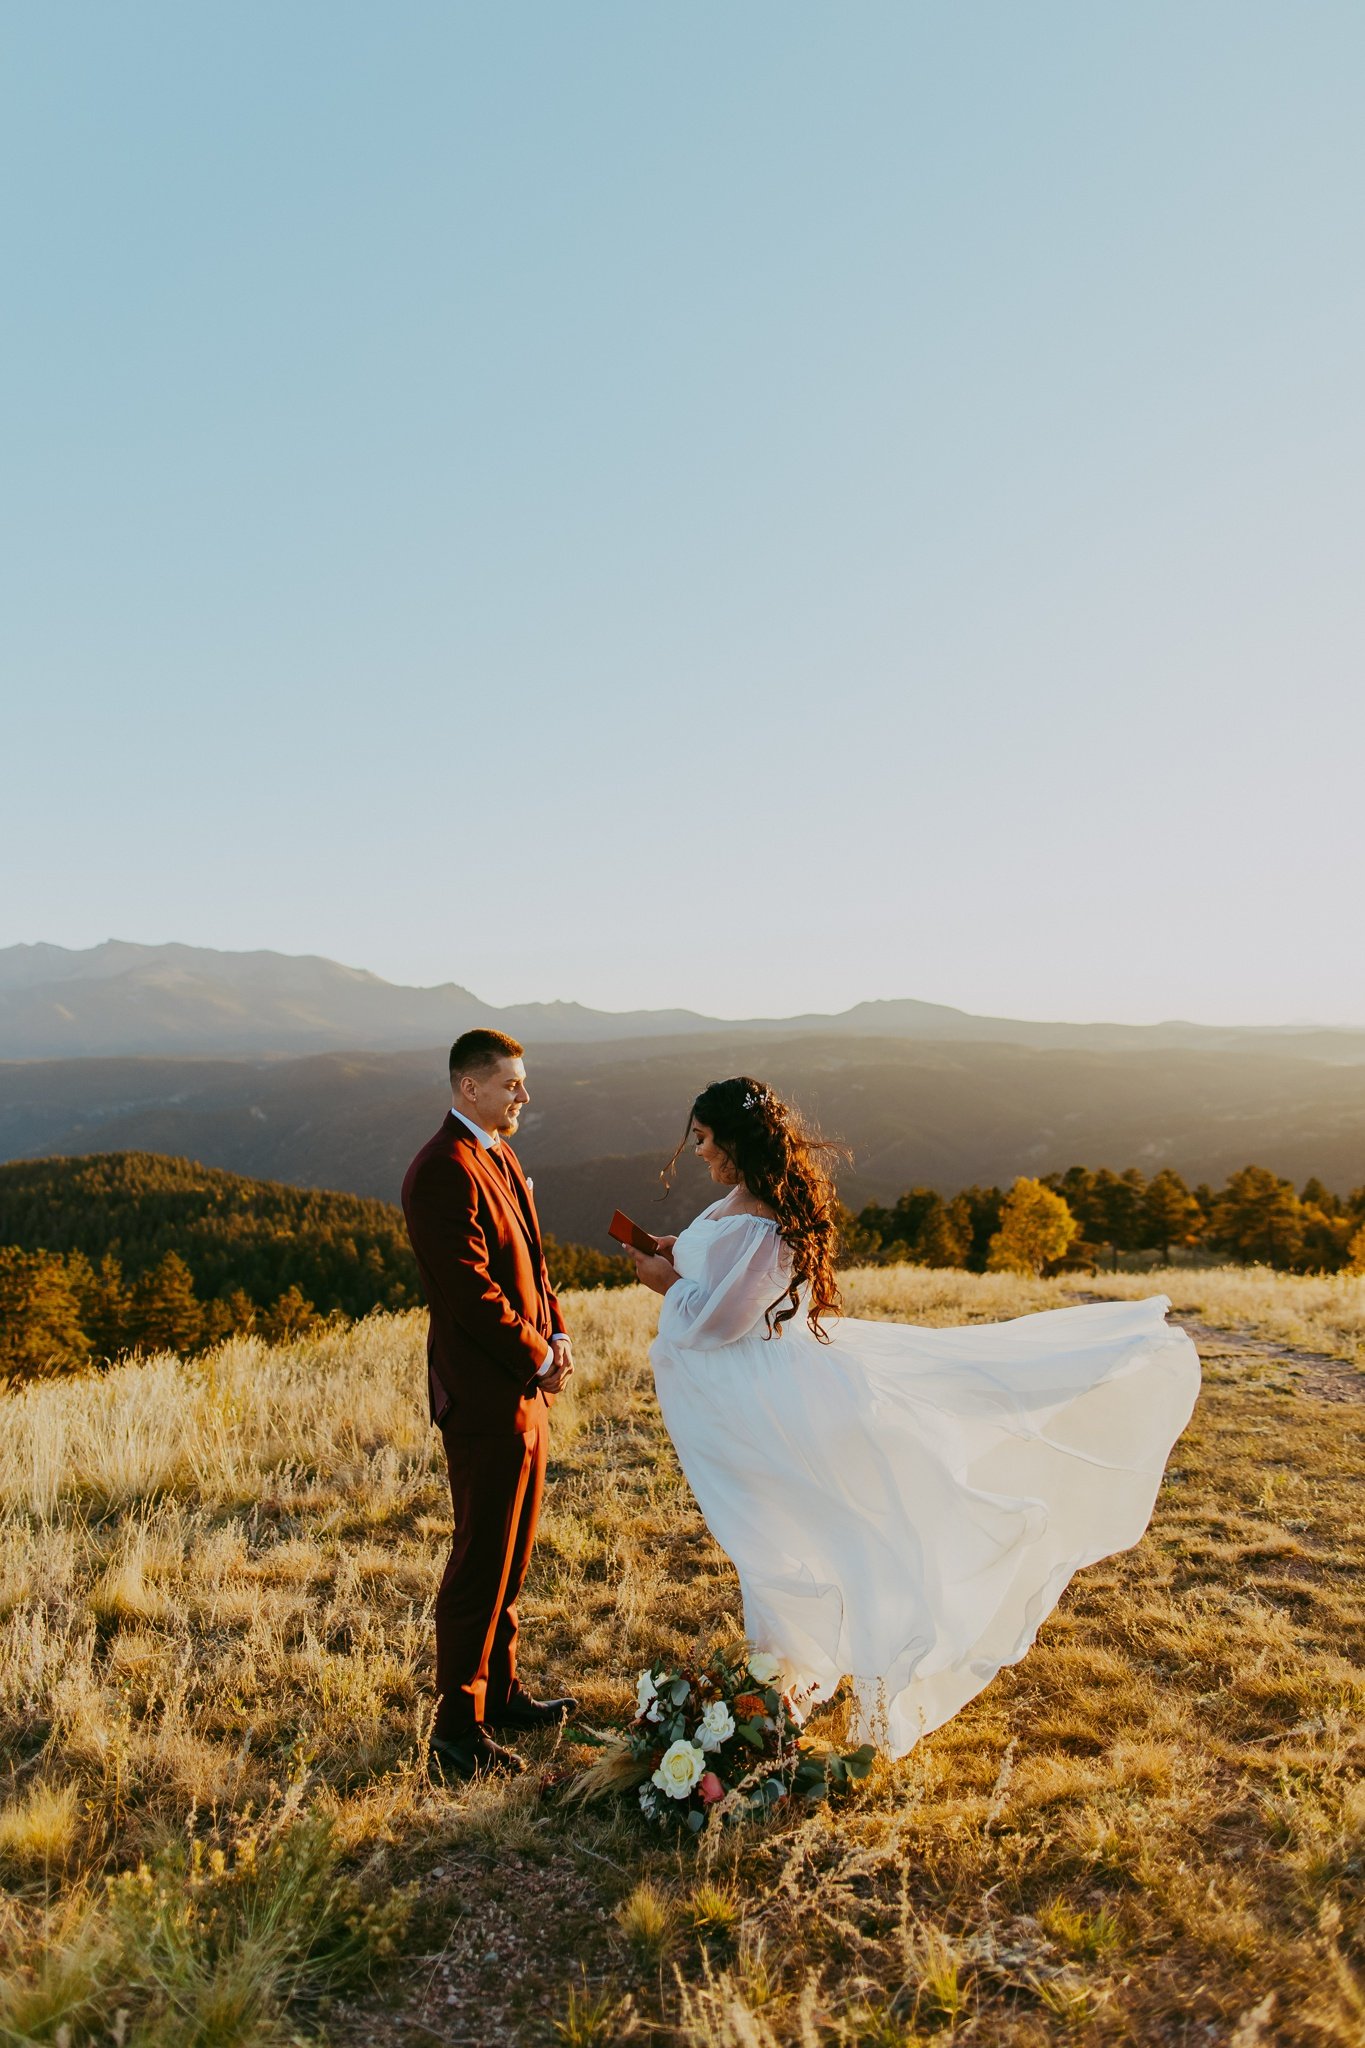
x=657, y=1272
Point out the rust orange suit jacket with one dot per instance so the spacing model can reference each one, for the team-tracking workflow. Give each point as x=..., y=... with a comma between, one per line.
x=493, y=1310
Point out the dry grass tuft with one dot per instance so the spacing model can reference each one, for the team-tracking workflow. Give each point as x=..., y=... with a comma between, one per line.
x=216, y=1580
x=38, y=1829
x=592, y=2018
x=714, y=1911
x=646, y=1921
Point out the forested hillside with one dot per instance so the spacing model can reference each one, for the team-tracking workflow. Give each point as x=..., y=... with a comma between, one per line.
x=127, y=1251
x=1257, y=1218
x=345, y=1251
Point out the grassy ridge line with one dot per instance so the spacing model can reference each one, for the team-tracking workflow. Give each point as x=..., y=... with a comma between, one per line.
x=1322, y=1312
x=216, y=1582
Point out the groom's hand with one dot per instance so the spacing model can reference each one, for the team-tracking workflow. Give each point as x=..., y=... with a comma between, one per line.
x=552, y=1377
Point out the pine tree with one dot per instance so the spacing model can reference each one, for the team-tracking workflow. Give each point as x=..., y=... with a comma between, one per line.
x=290, y=1317
x=922, y=1229
x=1076, y=1187
x=943, y=1241
x=1326, y=1237
x=1171, y=1214
x=242, y=1311
x=1115, y=1202
x=109, y=1309
x=217, y=1323
x=1258, y=1217
x=975, y=1214
x=166, y=1313
x=1035, y=1226
x=860, y=1241
x=40, y=1315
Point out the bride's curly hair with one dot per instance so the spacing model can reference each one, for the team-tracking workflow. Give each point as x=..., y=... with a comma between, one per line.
x=780, y=1160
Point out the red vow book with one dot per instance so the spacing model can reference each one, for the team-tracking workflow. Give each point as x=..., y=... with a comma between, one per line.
x=626, y=1232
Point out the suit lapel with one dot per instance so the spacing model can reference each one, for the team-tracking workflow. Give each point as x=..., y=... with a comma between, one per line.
x=523, y=1194
x=503, y=1187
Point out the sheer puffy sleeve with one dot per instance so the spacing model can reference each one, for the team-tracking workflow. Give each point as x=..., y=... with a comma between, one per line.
x=745, y=1267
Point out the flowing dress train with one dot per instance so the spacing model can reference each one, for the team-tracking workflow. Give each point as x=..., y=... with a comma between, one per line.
x=905, y=1505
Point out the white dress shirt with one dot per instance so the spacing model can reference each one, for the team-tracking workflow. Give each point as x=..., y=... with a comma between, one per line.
x=489, y=1142
x=488, y=1139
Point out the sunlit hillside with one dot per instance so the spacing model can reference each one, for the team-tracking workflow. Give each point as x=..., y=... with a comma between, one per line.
x=215, y=1582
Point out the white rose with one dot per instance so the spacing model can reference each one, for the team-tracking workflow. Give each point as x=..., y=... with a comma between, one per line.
x=764, y=1668
x=679, y=1769
x=717, y=1725
x=647, y=1696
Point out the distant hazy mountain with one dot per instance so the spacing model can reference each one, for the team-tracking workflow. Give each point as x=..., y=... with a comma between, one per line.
x=603, y=1118
x=120, y=998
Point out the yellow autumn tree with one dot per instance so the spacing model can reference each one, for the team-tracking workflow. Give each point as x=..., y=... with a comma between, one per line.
x=1355, y=1252
x=1035, y=1226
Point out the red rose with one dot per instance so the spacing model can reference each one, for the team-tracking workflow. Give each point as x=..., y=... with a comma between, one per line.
x=709, y=1788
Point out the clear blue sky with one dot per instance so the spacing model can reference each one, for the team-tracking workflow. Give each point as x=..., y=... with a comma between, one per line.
x=754, y=506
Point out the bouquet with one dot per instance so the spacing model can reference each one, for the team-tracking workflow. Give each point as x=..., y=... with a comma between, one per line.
x=717, y=1745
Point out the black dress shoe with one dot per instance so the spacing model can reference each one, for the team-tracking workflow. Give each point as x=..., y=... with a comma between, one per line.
x=524, y=1713
x=453, y=1760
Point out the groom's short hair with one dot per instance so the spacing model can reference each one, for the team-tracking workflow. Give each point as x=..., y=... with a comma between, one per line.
x=474, y=1052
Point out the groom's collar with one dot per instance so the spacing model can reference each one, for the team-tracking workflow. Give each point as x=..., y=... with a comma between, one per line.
x=486, y=1139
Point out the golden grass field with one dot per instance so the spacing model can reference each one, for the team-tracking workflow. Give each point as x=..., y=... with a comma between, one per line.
x=215, y=1581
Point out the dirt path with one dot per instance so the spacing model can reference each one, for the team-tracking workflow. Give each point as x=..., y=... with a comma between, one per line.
x=1267, y=1362
x=1278, y=1365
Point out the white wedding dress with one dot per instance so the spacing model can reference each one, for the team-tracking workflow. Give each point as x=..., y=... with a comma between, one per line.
x=905, y=1505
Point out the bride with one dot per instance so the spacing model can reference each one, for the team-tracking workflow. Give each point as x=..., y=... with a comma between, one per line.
x=904, y=1506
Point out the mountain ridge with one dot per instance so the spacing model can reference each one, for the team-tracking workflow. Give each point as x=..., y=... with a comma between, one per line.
x=125, y=999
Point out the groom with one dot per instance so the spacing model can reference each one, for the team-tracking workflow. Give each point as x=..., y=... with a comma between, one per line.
x=497, y=1354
